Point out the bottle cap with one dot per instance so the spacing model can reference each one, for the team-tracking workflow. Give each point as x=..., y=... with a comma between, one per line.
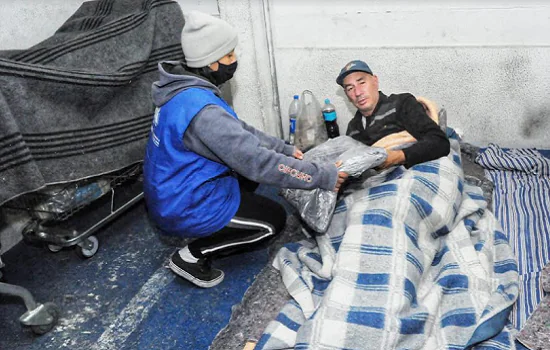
x=296, y=97
x=327, y=101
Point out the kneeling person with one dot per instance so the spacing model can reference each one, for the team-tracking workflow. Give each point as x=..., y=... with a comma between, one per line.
x=202, y=164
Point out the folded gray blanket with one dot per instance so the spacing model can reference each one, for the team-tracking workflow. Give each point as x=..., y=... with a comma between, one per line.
x=78, y=104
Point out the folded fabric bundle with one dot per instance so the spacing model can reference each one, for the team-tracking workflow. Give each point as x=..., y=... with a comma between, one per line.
x=317, y=206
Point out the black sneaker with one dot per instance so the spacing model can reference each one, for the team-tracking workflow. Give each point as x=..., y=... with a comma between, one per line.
x=200, y=273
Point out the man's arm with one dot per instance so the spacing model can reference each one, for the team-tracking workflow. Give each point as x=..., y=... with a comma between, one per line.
x=432, y=143
x=393, y=158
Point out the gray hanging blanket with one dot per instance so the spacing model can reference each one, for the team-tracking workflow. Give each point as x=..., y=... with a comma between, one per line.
x=78, y=104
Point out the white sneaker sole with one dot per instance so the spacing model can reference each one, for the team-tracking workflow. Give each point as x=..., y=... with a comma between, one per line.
x=203, y=284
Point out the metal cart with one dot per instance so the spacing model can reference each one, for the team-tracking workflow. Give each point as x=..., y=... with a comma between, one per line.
x=59, y=221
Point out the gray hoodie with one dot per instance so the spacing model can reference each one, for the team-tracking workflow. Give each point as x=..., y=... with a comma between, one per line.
x=217, y=135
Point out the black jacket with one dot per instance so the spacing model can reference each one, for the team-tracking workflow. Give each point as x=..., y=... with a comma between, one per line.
x=397, y=113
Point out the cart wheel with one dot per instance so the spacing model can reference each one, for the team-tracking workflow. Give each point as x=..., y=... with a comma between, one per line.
x=53, y=311
x=87, y=248
x=54, y=248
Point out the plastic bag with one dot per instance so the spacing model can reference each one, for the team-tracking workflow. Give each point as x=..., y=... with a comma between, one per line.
x=310, y=125
x=63, y=198
x=317, y=206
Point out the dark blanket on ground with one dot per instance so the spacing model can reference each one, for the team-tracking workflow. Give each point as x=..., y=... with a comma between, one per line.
x=79, y=103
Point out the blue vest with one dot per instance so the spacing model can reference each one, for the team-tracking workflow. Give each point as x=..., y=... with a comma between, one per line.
x=187, y=195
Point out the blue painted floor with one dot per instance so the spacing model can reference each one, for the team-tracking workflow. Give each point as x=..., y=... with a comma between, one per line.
x=124, y=297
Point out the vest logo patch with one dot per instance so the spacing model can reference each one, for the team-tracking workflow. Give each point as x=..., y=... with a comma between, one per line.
x=285, y=169
x=156, y=116
x=155, y=138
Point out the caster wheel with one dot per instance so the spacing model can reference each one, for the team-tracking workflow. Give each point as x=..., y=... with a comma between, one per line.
x=88, y=247
x=54, y=248
x=52, y=310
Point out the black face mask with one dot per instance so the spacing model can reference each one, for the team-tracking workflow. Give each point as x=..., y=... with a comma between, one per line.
x=224, y=72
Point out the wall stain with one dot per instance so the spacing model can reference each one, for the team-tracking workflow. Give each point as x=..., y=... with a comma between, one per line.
x=516, y=64
x=536, y=122
x=516, y=71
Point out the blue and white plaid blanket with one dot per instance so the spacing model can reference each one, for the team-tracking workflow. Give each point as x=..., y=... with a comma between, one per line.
x=411, y=261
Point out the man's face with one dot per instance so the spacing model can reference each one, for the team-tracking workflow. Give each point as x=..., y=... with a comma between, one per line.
x=362, y=90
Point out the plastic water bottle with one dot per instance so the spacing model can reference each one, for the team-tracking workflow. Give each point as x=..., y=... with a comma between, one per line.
x=329, y=113
x=89, y=192
x=293, y=111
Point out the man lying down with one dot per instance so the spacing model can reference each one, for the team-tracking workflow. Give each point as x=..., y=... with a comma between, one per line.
x=411, y=258
x=397, y=126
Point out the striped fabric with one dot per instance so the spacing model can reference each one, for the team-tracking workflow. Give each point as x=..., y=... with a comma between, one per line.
x=79, y=104
x=413, y=262
x=521, y=202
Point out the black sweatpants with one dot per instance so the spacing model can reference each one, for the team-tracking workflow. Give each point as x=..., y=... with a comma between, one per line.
x=256, y=222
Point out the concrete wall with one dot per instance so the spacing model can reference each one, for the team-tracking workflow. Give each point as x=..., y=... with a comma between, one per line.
x=254, y=87
x=486, y=62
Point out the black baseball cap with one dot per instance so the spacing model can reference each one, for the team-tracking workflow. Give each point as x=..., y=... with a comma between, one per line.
x=353, y=66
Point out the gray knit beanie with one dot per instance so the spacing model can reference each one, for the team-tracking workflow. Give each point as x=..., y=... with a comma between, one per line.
x=205, y=39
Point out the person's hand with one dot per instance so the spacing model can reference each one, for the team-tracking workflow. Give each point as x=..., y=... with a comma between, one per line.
x=342, y=176
x=298, y=154
x=394, y=158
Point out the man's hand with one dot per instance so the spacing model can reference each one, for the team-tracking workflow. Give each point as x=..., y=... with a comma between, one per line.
x=298, y=154
x=394, y=158
x=342, y=176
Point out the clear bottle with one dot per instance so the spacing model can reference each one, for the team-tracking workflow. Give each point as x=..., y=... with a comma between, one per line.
x=329, y=113
x=91, y=191
x=293, y=112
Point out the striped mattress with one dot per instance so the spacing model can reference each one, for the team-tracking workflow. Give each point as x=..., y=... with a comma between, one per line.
x=521, y=202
